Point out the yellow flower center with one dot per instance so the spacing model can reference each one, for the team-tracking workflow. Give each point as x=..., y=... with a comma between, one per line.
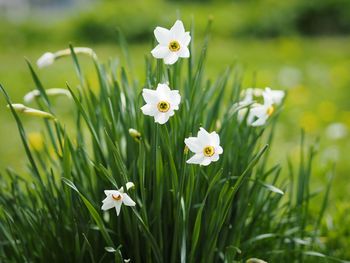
x=163, y=106
x=174, y=46
x=209, y=151
x=270, y=110
x=117, y=197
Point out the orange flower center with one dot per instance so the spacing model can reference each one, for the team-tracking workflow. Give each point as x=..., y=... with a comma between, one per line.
x=117, y=197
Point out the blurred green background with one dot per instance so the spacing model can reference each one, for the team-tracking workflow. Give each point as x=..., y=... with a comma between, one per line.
x=300, y=46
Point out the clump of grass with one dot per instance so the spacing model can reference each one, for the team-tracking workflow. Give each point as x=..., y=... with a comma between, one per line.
x=229, y=211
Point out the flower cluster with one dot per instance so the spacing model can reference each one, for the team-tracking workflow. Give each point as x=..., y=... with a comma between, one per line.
x=162, y=102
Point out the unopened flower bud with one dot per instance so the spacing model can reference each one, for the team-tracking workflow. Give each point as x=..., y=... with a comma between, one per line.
x=29, y=97
x=20, y=108
x=135, y=134
x=46, y=60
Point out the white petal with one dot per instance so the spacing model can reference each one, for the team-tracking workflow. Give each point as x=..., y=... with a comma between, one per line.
x=186, y=39
x=259, y=122
x=214, y=158
x=196, y=159
x=107, y=205
x=110, y=192
x=177, y=30
x=206, y=161
x=149, y=110
x=193, y=144
x=160, y=51
x=161, y=117
x=175, y=97
x=163, y=89
x=162, y=35
x=219, y=150
x=150, y=96
x=184, y=52
x=128, y=201
x=118, y=205
x=203, y=136
x=171, y=58
x=214, y=139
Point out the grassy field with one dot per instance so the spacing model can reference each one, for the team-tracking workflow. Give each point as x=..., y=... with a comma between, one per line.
x=314, y=71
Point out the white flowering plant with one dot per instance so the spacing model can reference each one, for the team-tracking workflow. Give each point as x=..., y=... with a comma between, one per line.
x=167, y=169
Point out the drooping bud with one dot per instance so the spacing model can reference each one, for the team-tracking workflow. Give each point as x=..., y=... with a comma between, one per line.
x=135, y=134
x=20, y=108
x=46, y=60
x=29, y=97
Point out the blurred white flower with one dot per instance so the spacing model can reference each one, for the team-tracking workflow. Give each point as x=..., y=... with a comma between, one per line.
x=29, y=97
x=115, y=198
x=161, y=103
x=337, y=131
x=259, y=114
x=206, y=147
x=46, y=60
x=172, y=43
x=289, y=77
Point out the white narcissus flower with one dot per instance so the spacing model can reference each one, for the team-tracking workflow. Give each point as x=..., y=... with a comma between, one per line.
x=115, y=198
x=206, y=147
x=46, y=60
x=259, y=114
x=172, y=43
x=161, y=103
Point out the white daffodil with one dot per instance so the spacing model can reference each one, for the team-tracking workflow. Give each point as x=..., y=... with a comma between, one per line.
x=259, y=114
x=206, y=147
x=115, y=198
x=172, y=43
x=161, y=103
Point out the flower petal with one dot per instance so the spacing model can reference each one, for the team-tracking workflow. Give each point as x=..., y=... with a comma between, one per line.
x=171, y=58
x=184, y=52
x=107, y=205
x=260, y=121
x=196, y=159
x=219, y=150
x=186, y=39
x=177, y=30
x=175, y=97
x=193, y=144
x=161, y=118
x=214, y=139
x=203, y=136
x=160, y=51
x=215, y=157
x=162, y=35
x=206, y=161
x=118, y=206
x=149, y=110
x=128, y=201
x=150, y=96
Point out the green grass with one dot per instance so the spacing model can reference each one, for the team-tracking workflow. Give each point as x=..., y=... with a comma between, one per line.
x=235, y=202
